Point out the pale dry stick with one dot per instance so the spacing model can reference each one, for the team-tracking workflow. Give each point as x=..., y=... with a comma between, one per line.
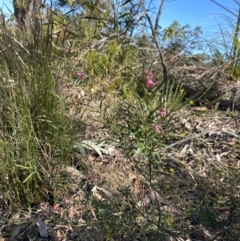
x=48, y=175
x=18, y=54
x=230, y=133
x=213, y=70
x=19, y=44
x=21, y=60
x=191, y=138
x=101, y=42
x=221, y=233
x=184, y=140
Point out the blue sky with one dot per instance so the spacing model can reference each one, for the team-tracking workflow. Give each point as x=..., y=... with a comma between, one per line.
x=203, y=13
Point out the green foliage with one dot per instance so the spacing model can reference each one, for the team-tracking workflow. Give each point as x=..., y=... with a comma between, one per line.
x=113, y=63
x=106, y=217
x=226, y=50
x=142, y=114
x=21, y=4
x=142, y=126
x=98, y=64
x=179, y=38
x=234, y=68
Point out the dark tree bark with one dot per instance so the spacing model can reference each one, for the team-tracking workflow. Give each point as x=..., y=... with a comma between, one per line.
x=26, y=10
x=21, y=10
x=36, y=18
x=158, y=16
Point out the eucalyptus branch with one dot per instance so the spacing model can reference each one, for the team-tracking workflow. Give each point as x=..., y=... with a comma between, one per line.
x=165, y=76
x=158, y=15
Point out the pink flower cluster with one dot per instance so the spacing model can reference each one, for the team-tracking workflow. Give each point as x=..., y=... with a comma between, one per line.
x=148, y=75
x=163, y=112
x=81, y=75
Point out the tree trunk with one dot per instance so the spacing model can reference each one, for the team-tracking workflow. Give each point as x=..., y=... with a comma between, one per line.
x=27, y=14
x=21, y=12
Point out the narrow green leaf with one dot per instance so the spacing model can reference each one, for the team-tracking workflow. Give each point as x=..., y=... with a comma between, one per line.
x=23, y=167
x=29, y=176
x=236, y=43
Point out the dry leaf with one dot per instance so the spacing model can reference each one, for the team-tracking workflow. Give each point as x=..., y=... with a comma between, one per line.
x=96, y=194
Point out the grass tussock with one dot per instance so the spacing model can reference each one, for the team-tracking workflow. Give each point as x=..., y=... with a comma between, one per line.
x=36, y=134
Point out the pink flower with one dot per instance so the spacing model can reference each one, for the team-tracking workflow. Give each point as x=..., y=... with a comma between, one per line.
x=149, y=83
x=163, y=112
x=81, y=75
x=148, y=75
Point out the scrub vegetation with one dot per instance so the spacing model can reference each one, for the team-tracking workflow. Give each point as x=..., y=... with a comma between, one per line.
x=113, y=128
